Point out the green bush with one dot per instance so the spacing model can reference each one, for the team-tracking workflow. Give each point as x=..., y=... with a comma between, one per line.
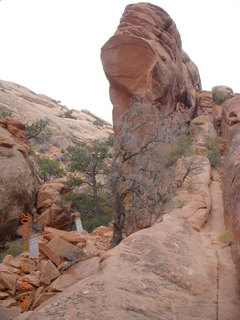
x=85, y=205
x=74, y=182
x=49, y=168
x=110, y=140
x=182, y=148
x=98, y=123
x=5, y=114
x=213, y=154
x=68, y=114
x=38, y=130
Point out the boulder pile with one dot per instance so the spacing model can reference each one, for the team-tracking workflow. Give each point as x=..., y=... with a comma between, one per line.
x=65, y=257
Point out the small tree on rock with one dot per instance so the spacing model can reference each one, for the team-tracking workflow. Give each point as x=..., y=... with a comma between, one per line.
x=90, y=160
x=49, y=168
x=36, y=128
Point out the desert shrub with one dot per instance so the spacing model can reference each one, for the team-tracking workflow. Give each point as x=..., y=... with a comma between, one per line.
x=89, y=160
x=213, y=154
x=226, y=236
x=110, y=140
x=48, y=168
x=37, y=130
x=98, y=123
x=221, y=93
x=85, y=205
x=74, y=182
x=68, y=114
x=182, y=148
x=5, y=114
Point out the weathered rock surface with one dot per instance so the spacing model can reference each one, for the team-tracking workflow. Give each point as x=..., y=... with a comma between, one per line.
x=28, y=106
x=153, y=88
x=231, y=130
x=193, y=200
x=51, y=212
x=206, y=106
x=18, y=183
x=150, y=275
x=9, y=314
x=80, y=270
x=202, y=128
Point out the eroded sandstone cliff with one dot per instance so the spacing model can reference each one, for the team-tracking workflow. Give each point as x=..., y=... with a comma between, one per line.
x=153, y=88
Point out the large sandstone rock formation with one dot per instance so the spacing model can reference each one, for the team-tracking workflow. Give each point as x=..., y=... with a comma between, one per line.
x=153, y=88
x=231, y=131
x=18, y=183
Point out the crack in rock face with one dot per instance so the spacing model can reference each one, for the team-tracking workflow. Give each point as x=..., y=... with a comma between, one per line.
x=153, y=89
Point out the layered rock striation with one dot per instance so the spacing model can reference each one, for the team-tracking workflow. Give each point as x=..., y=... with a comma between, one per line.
x=153, y=88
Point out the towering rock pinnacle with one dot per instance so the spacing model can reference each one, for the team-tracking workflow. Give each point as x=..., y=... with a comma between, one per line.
x=153, y=89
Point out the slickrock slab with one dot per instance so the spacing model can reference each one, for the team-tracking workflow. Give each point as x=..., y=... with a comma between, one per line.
x=28, y=265
x=7, y=303
x=9, y=280
x=9, y=314
x=48, y=272
x=72, y=236
x=11, y=261
x=155, y=273
x=65, y=249
x=79, y=271
x=41, y=298
x=44, y=248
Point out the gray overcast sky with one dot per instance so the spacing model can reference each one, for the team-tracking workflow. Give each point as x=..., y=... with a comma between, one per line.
x=53, y=46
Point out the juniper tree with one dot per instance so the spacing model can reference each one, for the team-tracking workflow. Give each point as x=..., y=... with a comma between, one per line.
x=89, y=160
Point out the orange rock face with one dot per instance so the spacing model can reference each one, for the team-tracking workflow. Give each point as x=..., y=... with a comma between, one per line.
x=231, y=130
x=153, y=88
x=18, y=183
